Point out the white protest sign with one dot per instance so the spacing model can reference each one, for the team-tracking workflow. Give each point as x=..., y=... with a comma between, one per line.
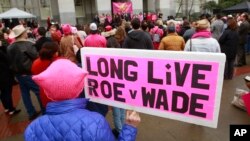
x=183, y=86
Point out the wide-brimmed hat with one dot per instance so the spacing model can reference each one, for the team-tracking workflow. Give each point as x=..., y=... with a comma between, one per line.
x=17, y=31
x=202, y=24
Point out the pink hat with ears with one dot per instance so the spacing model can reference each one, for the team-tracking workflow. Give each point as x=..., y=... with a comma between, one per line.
x=62, y=80
x=66, y=29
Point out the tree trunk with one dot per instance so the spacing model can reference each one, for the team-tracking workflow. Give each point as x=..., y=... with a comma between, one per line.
x=189, y=12
x=24, y=5
x=180, y=5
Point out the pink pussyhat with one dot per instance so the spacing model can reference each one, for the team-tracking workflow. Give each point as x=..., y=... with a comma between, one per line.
x=66, y=29
x=62, y=80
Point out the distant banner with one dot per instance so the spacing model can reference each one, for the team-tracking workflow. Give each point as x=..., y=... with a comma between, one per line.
x=125, y=7
x=184, y=86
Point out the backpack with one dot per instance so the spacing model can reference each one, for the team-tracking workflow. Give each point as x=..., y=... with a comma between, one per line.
x=156, y=37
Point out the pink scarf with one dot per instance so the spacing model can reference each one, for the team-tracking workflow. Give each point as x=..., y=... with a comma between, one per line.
x=202, y=33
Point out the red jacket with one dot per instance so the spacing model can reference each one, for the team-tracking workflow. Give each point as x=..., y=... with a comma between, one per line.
x=39, y=66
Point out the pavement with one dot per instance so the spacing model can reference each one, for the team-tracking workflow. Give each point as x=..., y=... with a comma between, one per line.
x=153, y=128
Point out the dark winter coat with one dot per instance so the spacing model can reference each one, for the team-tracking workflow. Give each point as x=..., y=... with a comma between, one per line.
x=229, y=41
x=6, y=76
x=138, y=39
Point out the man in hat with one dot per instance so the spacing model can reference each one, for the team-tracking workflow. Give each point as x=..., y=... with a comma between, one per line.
x=21, y=54
x=95, y=39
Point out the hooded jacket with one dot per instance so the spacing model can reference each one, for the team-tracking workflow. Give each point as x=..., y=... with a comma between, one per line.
x=137, y=39
x=69, y=121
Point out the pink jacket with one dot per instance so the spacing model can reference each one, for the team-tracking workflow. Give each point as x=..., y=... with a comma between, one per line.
x=156, y=30
x=95, y=40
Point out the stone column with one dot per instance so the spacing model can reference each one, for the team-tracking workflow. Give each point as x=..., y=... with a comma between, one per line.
x=103, y=6
x=137, y=6
x=151, y=5
x=67, y=11
x=167, y=7
x=55, y=10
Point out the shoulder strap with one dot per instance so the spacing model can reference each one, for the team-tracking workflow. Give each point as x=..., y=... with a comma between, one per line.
x=190, y=44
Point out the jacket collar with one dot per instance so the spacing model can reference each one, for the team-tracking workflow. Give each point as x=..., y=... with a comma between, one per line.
x=55, y=108
x=172, y=34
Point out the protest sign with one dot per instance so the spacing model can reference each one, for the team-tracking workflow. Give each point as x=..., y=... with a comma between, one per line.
x=122, y=7
x=184, y=86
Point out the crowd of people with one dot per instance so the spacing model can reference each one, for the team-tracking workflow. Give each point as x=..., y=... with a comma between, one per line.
x=46, y=60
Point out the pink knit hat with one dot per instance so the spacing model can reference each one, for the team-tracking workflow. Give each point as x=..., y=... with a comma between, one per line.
x=66, y=29
x=62, y=80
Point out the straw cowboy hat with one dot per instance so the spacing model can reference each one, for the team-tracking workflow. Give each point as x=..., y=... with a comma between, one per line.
x=202, y=24
x=17, y=31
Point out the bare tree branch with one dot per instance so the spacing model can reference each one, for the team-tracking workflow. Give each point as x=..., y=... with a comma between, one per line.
x=180, y=5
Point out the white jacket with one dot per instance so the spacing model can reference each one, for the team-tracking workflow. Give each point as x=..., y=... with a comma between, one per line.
x=203, y=45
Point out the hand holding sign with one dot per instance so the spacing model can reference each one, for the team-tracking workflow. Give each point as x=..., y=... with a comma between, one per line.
x=133, y=118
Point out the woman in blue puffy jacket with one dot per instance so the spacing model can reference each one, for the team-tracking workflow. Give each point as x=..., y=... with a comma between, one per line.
x=66, y=116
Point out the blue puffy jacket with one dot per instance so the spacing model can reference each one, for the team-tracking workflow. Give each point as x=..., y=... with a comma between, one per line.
x=69, y=121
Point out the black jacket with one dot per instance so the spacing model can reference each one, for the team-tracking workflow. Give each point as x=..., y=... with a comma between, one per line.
x=229, y=41
x=137, y=39
x=6, y=76
x=21, y=55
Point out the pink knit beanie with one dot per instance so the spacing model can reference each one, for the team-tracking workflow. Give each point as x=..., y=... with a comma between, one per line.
x=62, y=80
x=66, y=29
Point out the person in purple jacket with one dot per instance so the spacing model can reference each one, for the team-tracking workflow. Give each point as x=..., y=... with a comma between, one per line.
x=66, y=117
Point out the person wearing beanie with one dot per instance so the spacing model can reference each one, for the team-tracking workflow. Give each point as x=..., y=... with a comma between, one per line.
x=172, y=41
x=66, y=116
x=94, y=39
x=202, y=40
x=67, y=44
x=109, y=35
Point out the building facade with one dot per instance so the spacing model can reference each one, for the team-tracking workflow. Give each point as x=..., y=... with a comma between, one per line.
x=82, y=11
